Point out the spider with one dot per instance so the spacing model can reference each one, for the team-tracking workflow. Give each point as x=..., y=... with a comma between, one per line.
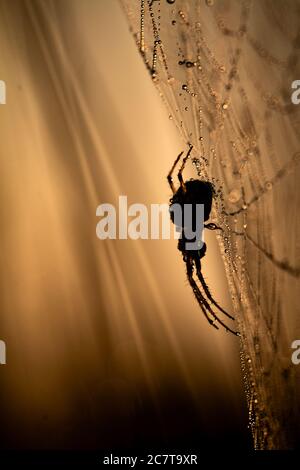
x=196, y=192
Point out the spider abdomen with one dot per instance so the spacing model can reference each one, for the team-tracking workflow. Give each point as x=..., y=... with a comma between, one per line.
x=193, y=192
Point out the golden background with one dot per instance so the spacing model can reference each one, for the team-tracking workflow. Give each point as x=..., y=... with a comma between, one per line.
x=106, y=345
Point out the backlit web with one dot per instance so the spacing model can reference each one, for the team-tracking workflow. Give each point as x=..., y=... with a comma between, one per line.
x=224, y=69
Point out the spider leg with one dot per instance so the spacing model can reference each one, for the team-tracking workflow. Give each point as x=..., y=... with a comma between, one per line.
x=208, y=307
x=197, y=293
x=206, y=289
x=205, y=307
x=212, y=226
x=182, y=167
x=169, y=177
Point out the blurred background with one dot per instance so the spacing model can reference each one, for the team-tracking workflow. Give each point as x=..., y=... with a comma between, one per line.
x=106, y=345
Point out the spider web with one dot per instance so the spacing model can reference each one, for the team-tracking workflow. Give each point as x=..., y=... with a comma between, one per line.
x=224, y=69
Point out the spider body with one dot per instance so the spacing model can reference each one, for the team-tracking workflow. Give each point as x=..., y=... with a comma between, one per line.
x=194, y=192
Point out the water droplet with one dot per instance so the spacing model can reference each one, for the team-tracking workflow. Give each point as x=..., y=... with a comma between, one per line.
x=268, y=185
x=173, y=22
x=185, y=87
x=225, y=105
x=234, y=196
x=171, y=1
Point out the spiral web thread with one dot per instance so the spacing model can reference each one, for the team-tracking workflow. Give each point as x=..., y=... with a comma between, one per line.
x=224, y=69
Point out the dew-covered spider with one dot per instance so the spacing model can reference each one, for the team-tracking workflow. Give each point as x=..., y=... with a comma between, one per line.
x=195, y=192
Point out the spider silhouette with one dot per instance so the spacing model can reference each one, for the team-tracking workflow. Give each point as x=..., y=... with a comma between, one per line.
x=195, y=192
